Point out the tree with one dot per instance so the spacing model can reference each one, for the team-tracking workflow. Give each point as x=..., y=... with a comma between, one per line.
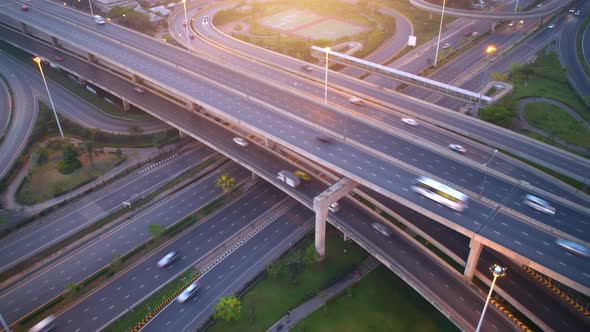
x=274, y=270
x=156, y=230
x=89, y=147
x=42, y=155
x=226, y=183
x=70, y=160
x=497, y=114
x=227, y=308
x=311, y=255
x=135, y=130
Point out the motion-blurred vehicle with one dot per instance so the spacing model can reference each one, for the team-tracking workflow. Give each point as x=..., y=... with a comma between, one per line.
x=410, y=122
x=381, y=229
x=538, y=204
x=240, y=141
x=188, y=292
x=457, y=148
x=168, y=259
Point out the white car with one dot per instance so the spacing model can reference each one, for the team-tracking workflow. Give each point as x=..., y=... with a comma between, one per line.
x=572, y=10
x=98, y=19
x=446, y=45
x=539, y=204
x=381, y=229
x=521, y=22
x=540, y=5
x=334, y=207
x=551, y=26
x=356, y=101
x=457, y=148
x=188, y=292
x=577, y=13
x=511, y=24
x=474, y=34
x=410, y=122
x=307, y=67
x=168, y=259
x=240, y=141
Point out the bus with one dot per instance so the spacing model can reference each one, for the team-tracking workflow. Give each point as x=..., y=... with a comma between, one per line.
x=441, y=193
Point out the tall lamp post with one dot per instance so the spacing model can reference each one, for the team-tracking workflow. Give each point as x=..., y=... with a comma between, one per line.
x=491, y=49
x=498, y=272
x=442, y=16
x=327, y=51
x=38, y=61
x=486, y=174
x=90, y=5
x=188, y=46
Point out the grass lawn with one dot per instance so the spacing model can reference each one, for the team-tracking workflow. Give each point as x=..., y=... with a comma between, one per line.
x=546, y=78
x=46, y=182
x=270, y=298
x=557, y=122
x=379, y=302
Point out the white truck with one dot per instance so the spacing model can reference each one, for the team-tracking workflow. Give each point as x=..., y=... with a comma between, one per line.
x=289, y=178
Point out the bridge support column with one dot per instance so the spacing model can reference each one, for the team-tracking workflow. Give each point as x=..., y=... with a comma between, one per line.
x=91, y=57
x=24, y=28
x=196, y=107
x=346, y=238
x=254, y=176
x=494, y=23
x=321, y=203
x=136, y=79
x=54, y=42
x=126, y=105
x=473, y=258
x=268, y=143
x=181, y=133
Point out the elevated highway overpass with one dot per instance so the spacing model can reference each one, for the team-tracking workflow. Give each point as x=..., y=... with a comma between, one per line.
x=240, y=109
x=549, y=8
x=394, y=253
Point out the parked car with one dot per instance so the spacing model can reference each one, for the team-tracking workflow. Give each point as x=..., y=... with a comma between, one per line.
x=356, y=100
x=381, y=229
x=168, y=259
x=457, y=148
x=188, y=292
x=539, y=204
x=304, y=176
x=334, y=207
x=240, y=141
x=573, y=247
x=98, y=19
x=410, y=122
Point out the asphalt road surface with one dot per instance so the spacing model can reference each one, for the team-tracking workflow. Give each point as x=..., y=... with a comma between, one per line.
x=65, y=222
x=129, y=288
x=233, y=272
x=568, y=49
x=47, y=284
x=572, y=267
x=23, y=119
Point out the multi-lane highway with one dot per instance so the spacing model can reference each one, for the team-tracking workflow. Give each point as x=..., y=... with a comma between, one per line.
x=129, y=288
x=568, y=49
x=57, y=226
x=49, y=283
x=267, y=165
x=370, y=170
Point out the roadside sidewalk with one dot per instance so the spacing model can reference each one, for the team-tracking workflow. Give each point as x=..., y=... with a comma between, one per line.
x=299, y=313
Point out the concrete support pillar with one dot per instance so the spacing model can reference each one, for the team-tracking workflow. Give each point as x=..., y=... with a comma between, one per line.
x=24, y=28
x=494, y=23
x=254, y=176
x=91, y=57
x=136, y=79
x=346, y=238
x=54, y=42
x=269, y=143
x=196, y=107
x=321, y=214
x=473, y=258
x=430, y=16
x=321, y=203
x=181, y=133
x=126, y=105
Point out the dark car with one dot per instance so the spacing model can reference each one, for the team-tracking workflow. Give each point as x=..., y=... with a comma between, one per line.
x=324, y=139
x=25, y=8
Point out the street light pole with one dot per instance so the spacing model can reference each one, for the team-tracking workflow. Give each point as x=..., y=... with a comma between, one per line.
x=38, y=61
x=485, y=174
x=516, y=7
x=188, y=46
x=327, y=51
x=90, y=5
x=497, y=271
x=442, y=16
x=489, y=51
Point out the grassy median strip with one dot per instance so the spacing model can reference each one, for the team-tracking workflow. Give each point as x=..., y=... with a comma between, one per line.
x=120, y=263
x=101, y=223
